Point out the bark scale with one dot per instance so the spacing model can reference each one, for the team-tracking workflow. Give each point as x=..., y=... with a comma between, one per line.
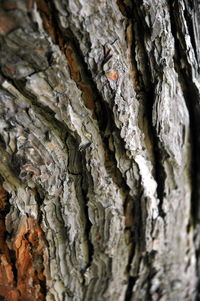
x=99, y=144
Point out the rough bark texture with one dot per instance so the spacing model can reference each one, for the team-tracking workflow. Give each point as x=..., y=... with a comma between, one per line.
x=99, y=145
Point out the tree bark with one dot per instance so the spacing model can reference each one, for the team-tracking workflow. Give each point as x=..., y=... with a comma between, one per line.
x=99, y=144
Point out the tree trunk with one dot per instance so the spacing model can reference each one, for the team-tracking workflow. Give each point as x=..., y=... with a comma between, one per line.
x=99, y=144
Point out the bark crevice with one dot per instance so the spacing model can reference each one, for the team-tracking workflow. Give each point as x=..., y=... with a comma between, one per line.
x=148, y=88
x=191, y=96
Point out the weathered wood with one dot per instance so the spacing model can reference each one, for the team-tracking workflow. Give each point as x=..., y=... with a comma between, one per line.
x=99, y=144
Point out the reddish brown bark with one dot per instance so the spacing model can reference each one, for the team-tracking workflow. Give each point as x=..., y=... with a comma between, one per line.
x=27, y=248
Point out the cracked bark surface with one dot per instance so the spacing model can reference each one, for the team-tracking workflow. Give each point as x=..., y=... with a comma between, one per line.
x=99, y=145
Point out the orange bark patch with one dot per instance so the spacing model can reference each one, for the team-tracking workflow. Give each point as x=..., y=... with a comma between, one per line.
x=9, y=69
x=72, y=64
x=79, y=78
x=112, y=75
x=21, y=269
x=87, y=97
x=29, y=246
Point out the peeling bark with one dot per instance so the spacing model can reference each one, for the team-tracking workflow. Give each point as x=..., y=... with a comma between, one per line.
x=99, y=144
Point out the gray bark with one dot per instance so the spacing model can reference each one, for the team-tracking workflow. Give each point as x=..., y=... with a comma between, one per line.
x=99, y=144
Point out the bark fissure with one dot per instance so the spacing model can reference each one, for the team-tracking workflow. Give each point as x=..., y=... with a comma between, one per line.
x=80, y=73
x=148, y=88
x=92, y=99
x=188, y=19
x=137, y=236
x=85, y=183
x=129, y=291
x=191, y=96
x=145, y=92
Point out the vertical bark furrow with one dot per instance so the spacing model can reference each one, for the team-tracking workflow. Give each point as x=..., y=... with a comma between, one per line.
x=174, y=154
x=187, y=67
x=190, y=87
x=112, y=75
x=146, y=94
x=89, y=91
